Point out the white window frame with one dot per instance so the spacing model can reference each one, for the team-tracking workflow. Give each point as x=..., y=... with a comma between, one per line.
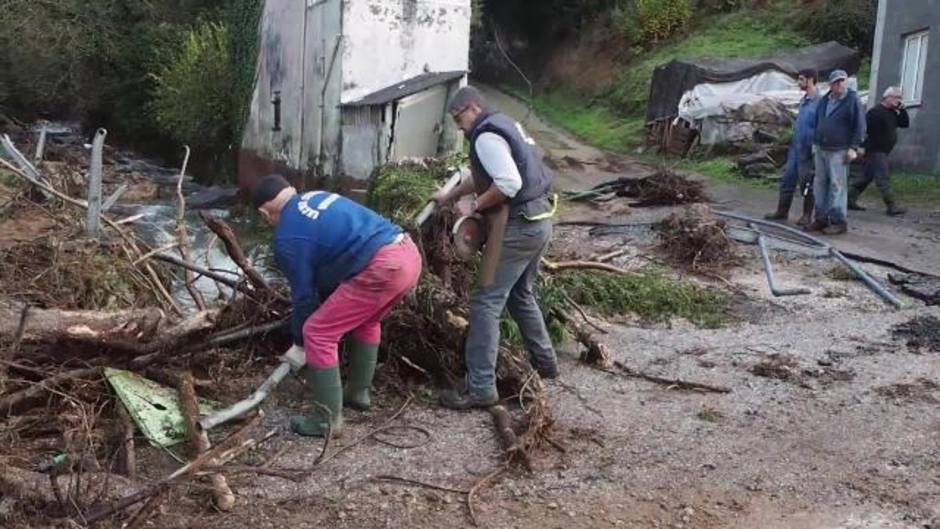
x=913, y=64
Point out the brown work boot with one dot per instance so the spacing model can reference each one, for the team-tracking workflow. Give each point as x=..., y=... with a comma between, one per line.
x=809, y=203
x=816, y=225
x=836, y=228
x=783, y=208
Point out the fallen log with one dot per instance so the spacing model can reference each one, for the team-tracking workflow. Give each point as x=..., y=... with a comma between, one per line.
x=136, y=332
x=52, y=325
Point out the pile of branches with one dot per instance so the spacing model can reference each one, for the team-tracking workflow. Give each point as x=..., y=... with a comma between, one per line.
x=72, y=306
x=696, y=238
x=662, y=188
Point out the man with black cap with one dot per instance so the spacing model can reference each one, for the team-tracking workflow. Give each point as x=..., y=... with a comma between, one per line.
x=840, y=129
x=507, y=171
x=347, y=267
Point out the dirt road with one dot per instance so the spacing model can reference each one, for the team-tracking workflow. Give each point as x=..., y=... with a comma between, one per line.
x=831, y=423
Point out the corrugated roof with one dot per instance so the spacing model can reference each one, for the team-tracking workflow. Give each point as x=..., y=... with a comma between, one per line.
x=405, y=88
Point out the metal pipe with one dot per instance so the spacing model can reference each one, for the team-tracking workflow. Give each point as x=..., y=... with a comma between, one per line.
x=93, y=220
x=769, y=269
x=242, y=407
x=875, y=286
x=453, y=182
x=40, y=145
x=798, y=233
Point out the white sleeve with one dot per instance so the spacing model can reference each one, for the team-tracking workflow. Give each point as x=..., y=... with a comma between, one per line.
x=496, y=157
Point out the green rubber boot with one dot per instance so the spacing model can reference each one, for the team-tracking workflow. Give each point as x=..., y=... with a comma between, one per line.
x=362, y=358
x=327, y=390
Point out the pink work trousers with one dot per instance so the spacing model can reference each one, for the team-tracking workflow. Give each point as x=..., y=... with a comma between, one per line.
x=358, y=305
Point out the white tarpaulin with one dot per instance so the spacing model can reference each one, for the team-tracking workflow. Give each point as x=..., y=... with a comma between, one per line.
x=731, y=112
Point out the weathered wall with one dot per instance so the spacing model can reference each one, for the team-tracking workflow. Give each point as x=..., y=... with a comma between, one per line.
x=280, y=65
x=388, y=41
x=919, y=146
x=353, y=47
x=289, y=27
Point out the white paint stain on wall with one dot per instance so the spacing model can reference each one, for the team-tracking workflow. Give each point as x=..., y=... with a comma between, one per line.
x=387, y=41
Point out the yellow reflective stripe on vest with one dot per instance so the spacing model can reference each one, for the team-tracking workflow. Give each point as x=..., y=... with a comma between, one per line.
x=547, y=214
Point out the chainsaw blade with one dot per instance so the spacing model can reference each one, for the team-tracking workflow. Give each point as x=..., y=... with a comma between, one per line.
x=468, y=237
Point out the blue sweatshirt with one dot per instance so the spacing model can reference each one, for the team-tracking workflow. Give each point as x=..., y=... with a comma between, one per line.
x=323, y=239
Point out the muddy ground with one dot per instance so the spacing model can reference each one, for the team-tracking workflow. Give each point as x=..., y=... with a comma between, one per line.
x=831, y=422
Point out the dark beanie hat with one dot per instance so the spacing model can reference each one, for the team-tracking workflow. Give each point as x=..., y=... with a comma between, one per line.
x=268, y=188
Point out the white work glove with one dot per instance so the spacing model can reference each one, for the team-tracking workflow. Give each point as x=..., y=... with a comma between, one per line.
x=296, y=357
x=850, y=155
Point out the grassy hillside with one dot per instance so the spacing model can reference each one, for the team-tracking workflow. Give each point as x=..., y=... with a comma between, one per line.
x=613, y=117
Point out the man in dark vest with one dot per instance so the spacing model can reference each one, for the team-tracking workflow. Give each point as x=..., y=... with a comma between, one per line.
x=507, y=169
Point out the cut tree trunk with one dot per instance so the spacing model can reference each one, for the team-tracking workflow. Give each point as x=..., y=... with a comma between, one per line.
x=135, y=331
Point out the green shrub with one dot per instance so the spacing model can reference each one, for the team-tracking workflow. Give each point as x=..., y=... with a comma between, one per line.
x=849, y=22
x=660, y=19
x=193, y=101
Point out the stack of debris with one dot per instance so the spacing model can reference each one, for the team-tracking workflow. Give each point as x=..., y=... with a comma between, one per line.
x=663, y=188
x=765, y=162
x=696, y=239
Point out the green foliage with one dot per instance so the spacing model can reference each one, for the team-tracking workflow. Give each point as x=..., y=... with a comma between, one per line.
x=739, y=34
x=193, y=101
x=660, y=19
x=864, y=74
x=849, y=22
x=399, y=192
x=93, y=60
x=594, y=122
x=914, y=188
x=651, y=294
x=243, y=18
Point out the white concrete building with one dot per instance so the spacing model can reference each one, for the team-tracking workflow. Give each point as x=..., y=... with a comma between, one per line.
x=346, y=85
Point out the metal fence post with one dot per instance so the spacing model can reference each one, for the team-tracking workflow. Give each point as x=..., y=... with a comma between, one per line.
x=93, y=222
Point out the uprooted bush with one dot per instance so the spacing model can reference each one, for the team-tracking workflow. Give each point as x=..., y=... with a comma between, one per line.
x=696, y=239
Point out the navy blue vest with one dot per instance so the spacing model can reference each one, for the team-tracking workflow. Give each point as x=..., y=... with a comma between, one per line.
x=537, y=179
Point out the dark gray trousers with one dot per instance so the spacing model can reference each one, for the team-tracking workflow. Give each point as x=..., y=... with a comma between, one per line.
x=514, y=289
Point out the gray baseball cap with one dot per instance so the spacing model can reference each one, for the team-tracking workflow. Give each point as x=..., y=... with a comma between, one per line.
x=838, y=75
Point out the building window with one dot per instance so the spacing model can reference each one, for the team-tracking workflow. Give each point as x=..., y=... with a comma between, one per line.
x=912, y=67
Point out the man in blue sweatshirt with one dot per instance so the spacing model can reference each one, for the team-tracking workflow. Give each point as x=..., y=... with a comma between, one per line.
x=347, y=267
x=840, y=129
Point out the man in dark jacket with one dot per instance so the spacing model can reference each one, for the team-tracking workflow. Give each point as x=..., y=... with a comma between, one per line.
x=883, y=122
x=507, y=169
x=840, y=129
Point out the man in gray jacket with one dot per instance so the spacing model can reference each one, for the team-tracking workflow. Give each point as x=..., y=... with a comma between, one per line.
x=507, y=169
x=840, y=129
